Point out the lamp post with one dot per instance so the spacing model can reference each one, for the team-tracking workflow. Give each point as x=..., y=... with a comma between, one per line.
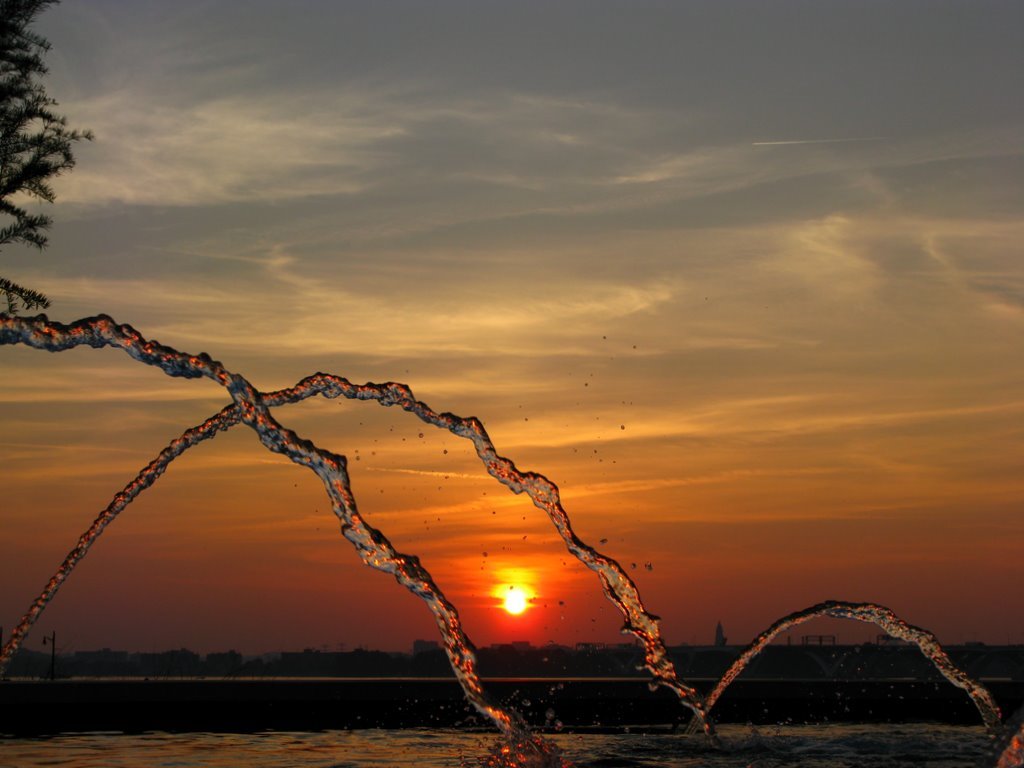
x=52, y=640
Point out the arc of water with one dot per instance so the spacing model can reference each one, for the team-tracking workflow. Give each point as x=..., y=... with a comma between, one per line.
x=228, y=417
x=372, y=545
x=616, y=584
x=892, y=624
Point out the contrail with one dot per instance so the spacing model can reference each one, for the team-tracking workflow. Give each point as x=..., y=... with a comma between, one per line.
x=813, y=141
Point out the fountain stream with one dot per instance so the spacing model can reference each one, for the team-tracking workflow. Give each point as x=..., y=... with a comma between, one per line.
x=252, y=407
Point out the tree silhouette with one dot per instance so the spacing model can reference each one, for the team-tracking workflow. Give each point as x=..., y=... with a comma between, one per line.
x=35, y=142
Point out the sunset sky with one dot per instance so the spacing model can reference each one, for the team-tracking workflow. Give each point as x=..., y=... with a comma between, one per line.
x=745, y=279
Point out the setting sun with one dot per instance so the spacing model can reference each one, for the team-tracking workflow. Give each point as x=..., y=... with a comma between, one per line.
x=515, y=600
x=514, y=592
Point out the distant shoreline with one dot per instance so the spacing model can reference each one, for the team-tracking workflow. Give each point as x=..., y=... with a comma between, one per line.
x=878, y=661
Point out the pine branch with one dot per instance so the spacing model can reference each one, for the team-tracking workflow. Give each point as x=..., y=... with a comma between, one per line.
x=13, y=293
x=35, y=141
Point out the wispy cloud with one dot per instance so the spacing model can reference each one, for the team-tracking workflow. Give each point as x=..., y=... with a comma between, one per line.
x=814, y=141
x=333, y=319
x=229, y=149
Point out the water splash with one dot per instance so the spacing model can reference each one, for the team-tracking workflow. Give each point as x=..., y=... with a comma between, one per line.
x=524, y=751
x=891, y=624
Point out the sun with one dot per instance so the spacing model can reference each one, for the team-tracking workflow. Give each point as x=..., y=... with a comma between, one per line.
x=514, y=592
x=515, y=600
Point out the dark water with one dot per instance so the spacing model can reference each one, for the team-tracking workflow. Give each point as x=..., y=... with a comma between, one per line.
x=836, y=746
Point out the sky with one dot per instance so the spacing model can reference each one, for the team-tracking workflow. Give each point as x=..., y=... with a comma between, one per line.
x=745, y=279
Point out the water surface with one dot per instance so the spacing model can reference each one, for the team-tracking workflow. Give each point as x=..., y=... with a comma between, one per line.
x=835, y=746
